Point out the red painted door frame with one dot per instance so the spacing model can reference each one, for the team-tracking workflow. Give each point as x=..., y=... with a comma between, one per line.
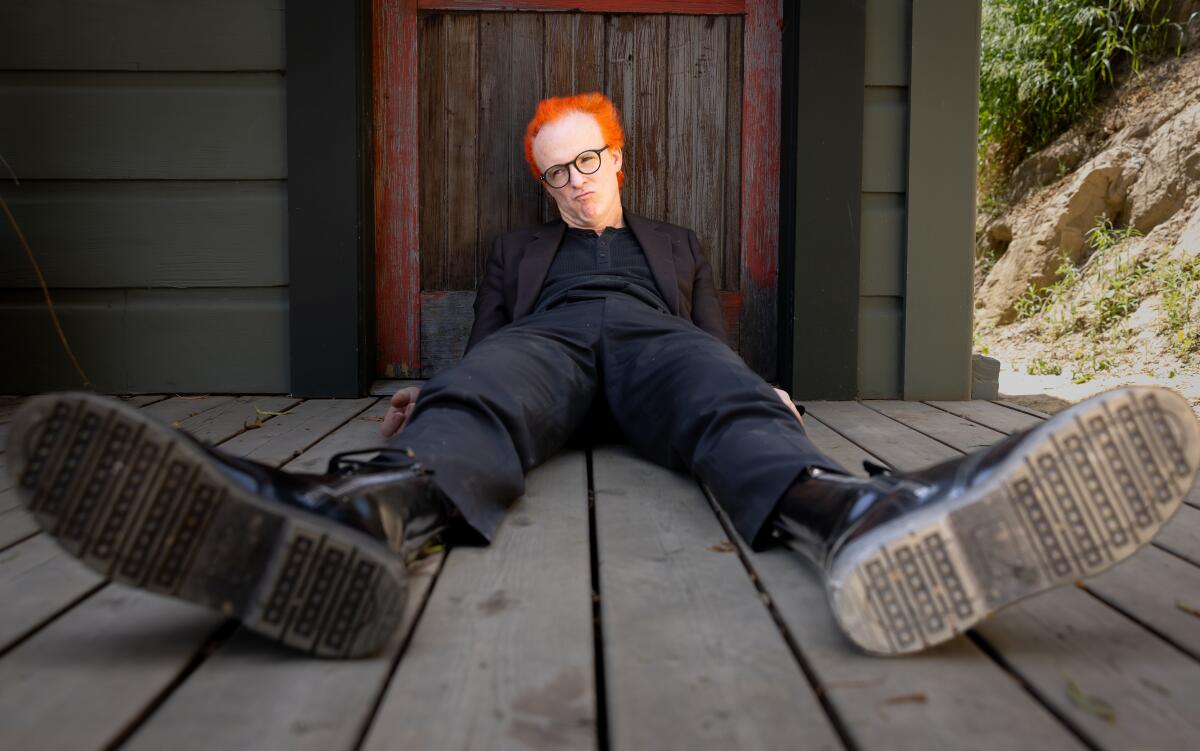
x=396, y=181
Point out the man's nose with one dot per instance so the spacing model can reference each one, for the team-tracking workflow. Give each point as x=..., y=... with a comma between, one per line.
x=576, y=176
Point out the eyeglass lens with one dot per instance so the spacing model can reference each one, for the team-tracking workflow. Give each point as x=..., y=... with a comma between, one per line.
x=587, y=163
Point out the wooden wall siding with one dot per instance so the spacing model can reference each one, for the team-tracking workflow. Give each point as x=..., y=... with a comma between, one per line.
x=511, y=83
x=148, y=340
x=149, y=139
x=686, y=175
x=148, y=234
x=142, y=35
x=449, y=137
x=675, y=79
x=143, y=125
x=885, y=182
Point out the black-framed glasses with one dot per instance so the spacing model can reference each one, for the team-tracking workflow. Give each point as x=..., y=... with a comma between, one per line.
x=586, y=162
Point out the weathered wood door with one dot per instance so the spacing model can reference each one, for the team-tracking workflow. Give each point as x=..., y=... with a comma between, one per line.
x=456, y=81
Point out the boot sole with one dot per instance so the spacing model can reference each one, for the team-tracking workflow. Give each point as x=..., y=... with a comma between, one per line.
x=1083, y=491
x=134, y=500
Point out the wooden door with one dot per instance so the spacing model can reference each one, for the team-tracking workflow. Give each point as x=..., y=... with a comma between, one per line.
x=456, y=81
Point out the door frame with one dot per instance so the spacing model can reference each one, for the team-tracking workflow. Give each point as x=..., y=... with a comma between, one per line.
x=397, y=170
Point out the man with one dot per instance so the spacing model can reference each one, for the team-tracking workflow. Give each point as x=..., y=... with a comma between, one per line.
x=602, y=310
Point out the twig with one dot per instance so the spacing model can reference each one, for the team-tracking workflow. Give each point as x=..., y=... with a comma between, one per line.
x=62, y=337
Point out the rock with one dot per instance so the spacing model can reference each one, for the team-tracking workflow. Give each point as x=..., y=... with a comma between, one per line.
x=1060, y=226
x=1172, y=166
x=1189, y=241
x=1048, y=165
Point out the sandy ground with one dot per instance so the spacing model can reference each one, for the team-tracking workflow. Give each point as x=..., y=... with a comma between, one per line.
x=1051, y=393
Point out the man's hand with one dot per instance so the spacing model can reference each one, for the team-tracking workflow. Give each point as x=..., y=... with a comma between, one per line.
x=783, y=396
x=403, y=402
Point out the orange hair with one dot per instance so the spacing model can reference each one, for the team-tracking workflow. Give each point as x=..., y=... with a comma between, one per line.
x=595, y=104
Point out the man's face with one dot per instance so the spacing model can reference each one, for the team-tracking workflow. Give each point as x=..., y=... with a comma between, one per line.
x=586, y=201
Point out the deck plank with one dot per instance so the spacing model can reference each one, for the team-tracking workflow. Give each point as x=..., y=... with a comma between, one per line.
x=359, y=432
x=504, y=656
x=1068, y=638
x=256, y=694
x=37, y=580
x=78, y=682
x=180, y=408
x=882, y=436
x=1067, y=632
x=989, y=414
x=286, y=437
x=692, y=658
x=16, y=524
x=1158, y=589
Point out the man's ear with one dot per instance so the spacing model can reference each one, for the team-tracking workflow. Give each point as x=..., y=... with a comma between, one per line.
x=618, y=159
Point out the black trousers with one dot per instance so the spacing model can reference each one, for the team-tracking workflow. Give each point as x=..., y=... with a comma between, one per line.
x=680, y=396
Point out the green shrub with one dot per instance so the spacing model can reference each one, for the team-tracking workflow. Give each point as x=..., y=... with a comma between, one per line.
x=1043, y=63
x=1180, y=284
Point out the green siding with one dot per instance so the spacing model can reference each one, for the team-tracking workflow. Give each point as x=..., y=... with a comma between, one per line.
x=153, y=340
x=165, y=126
x=142, y=35
x=149, y=138
x=149, y=234
x=885, y=180
x=880, y=346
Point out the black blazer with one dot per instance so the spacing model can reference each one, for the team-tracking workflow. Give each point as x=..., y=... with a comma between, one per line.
x=518, y=262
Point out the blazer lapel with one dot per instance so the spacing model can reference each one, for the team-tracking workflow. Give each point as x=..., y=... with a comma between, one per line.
x=535, y=263
x=660, y=257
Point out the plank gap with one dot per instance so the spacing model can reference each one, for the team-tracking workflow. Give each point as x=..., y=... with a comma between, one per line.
x=369, y=719
x=209, y=646
x=806, y=668
x=33, y=630
x=602, y=736
x=994, y=654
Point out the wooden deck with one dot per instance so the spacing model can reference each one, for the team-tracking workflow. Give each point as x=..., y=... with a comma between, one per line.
x=637, y=621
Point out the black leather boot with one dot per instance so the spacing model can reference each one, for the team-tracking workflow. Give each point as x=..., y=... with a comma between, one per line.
x=911, y=559
x=315, y=561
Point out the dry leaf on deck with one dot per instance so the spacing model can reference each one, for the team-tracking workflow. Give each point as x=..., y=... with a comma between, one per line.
x=265, y=413
x=724, y=546
x=917, y=697
x=1187, y=608
x=1091, y=704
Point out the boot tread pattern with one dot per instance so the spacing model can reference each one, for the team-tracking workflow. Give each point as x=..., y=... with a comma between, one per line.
x=1084, y=495
x=124, y=494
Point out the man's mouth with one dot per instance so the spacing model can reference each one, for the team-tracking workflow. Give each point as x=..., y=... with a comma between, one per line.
x=583, y=195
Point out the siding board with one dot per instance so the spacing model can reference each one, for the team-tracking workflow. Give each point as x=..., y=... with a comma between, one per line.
x=142, y=35
x=197, y=340
x=102, y=126
x=885, y=140
x=887, y=35
x=882, y=270
x=510, y=54
x=637, y=47
x=696, y=102
x=880, y=347
x=148, y=234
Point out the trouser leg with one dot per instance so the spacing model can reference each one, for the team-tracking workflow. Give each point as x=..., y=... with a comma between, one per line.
x=510, y=404
x=686, y=400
